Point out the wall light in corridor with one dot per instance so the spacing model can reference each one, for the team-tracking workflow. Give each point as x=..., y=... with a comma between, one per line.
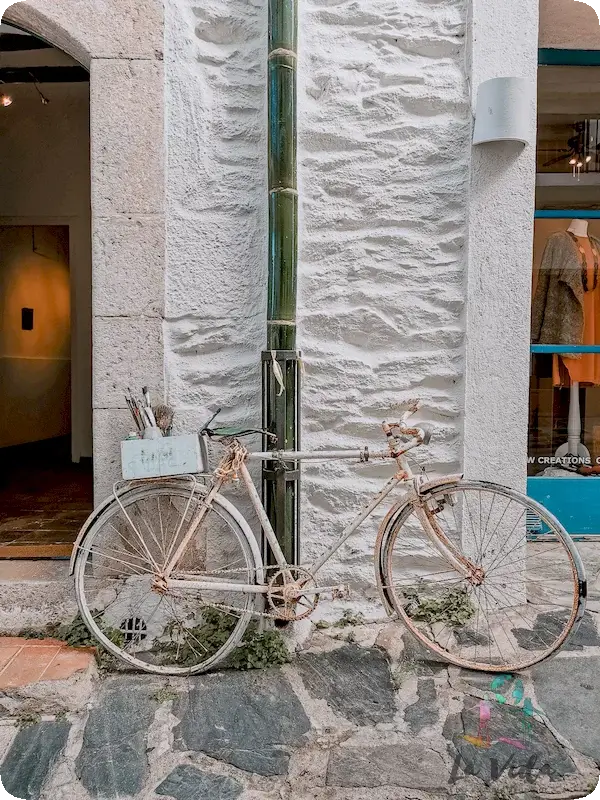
x=5, y=100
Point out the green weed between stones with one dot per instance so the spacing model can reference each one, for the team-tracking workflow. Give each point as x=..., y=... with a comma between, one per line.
x=256, y=651
x=453, y=607
x=165, y=695
x=349, y=618
x=26, y=719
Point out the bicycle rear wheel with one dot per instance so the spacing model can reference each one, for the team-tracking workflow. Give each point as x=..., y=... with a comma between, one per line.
x=170, y=631
x=522, y=600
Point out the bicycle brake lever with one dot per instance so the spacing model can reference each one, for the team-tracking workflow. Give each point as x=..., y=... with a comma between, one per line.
x=206, y=427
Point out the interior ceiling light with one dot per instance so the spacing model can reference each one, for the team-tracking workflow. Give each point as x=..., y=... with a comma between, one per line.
x=6, y=100
x=43, y=97
x=581, y=148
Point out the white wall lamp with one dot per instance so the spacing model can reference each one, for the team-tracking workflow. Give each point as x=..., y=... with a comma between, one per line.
x=503, y=111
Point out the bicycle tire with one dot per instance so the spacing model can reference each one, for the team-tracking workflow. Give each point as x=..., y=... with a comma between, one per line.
x=400, y=597
x=109, y=513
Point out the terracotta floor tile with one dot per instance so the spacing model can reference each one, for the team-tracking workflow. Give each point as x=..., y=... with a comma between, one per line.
x=66, y=663
x=28, y=666
x=13, y=641
x=6, y=654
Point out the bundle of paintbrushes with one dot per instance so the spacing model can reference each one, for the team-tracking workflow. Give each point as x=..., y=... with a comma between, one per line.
x=151, y=423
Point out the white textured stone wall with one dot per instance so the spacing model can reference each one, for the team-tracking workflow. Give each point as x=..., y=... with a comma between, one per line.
x=216, y=206
x=383, y=128
x=384, y=125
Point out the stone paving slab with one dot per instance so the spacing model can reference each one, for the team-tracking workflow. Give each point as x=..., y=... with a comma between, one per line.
x=355, y=681
x=189, y=783
x=251, y=720
x=35, y=750
x=568, y=689
x=411, y=765
x=113, y=761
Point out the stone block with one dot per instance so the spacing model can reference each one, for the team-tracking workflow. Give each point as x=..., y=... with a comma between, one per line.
x=569, y=693
x=355, y=682
x=250, y=720
x=128, y=352
x=127, y=137
x=111, y=426
x=129, y=266
x=113, y=761
x=424, y=711
x=31, y=757
x=99, y=28
x=410, y=765
x=515, y=739
x=188, y=783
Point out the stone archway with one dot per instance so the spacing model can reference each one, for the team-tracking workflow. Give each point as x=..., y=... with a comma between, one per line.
x=122, y=46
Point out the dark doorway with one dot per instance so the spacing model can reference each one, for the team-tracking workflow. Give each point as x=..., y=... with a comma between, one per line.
x=45, y=298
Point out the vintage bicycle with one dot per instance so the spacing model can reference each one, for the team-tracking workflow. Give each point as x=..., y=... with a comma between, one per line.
x=163, y=561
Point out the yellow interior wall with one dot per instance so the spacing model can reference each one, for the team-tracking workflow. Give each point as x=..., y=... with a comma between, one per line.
x=35, y=365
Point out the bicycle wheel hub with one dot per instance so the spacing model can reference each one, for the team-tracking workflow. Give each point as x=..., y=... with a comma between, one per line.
x=477, y=576
x=159, y=585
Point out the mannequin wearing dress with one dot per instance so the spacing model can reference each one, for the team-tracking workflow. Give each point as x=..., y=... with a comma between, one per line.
x=586, y=368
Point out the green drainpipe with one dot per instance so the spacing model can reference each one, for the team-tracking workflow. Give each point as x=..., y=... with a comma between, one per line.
x=281, y=380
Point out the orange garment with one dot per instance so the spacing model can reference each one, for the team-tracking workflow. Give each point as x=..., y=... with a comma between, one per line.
x=586, y=368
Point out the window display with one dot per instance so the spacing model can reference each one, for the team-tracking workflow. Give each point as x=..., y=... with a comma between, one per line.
x=564, y=411
x=565, y=390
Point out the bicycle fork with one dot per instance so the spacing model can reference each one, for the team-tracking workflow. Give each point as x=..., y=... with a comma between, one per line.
x=464, y=566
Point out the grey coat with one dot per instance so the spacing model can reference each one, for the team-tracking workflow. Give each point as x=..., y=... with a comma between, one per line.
x=557, y=312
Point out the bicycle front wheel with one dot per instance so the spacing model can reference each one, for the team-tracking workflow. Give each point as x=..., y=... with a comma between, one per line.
x=520, y=601
x=168, y=631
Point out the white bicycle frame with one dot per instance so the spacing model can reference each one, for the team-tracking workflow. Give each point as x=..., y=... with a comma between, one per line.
x=403, y=476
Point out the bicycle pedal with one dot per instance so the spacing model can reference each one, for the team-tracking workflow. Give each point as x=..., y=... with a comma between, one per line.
x=341, y=592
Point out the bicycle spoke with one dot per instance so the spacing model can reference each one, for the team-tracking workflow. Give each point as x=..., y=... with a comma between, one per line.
x=496, y=615
x=166, y=629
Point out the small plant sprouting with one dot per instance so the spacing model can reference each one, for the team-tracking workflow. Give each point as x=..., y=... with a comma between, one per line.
x=165, y=695
x=452, y=607
x=350, y=618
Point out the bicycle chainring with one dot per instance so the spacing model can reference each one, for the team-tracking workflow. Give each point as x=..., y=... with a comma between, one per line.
x=290, y=595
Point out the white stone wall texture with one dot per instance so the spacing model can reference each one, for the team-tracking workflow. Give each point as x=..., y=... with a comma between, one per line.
x=383, y=162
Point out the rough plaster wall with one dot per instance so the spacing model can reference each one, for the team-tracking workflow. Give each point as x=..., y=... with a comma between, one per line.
x=217, y=218
x=569, y=24
x=384, y=126
x=501, y=209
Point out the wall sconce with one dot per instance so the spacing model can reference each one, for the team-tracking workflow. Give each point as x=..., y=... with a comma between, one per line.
x=503, y=111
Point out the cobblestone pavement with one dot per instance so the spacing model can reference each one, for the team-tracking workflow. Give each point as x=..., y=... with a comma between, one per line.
x=360, y=713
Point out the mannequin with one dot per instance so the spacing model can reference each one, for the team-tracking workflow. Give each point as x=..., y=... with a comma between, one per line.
x=574, y=446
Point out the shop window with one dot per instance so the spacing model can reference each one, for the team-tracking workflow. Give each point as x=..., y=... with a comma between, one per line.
x=564, y=431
